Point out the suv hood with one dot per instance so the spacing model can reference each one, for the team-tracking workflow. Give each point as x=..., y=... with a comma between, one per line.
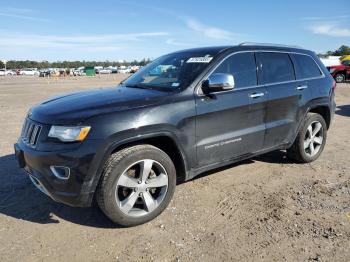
x=74, y=108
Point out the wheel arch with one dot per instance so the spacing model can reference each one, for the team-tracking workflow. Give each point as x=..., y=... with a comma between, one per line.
x=320, y=106
x=340, y=71
x=322, y=110
x=165, y=141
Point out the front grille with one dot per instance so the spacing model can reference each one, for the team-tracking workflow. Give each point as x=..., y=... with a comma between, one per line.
x=30, y=132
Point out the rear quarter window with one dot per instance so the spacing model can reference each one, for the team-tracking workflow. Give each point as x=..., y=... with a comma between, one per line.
x=275, y=67
x=305, y=67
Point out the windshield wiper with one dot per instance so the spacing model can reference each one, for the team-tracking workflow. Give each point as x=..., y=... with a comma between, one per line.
x=137, y=86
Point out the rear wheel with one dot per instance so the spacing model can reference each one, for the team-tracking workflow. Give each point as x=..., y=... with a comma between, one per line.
x=339, y=78
x=137, y=185
x=310, y=141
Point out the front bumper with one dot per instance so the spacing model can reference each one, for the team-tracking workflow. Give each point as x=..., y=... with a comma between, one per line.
x=74, y=191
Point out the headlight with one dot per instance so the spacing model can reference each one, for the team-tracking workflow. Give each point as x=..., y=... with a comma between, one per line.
x=69, y=133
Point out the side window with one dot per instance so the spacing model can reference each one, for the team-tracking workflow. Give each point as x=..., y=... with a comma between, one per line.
x=243, y=68
x=305, y=67
x=275, y=67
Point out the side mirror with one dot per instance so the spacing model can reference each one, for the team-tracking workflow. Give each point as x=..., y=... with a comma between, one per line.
x=218, y=82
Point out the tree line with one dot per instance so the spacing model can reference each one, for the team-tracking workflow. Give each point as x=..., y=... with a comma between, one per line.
x=343, y=50
x=18, y=64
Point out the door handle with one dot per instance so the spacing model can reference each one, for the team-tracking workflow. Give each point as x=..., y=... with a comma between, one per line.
x=302, y=87
x=256, y=95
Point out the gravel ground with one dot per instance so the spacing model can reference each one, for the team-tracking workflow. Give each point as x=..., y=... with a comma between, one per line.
x=266, y=208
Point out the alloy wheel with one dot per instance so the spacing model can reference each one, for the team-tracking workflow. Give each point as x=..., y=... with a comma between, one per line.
x=339, y=78
x=313, y=138
x=141, y=188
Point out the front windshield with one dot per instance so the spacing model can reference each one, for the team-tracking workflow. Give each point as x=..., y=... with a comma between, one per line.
x=171, y=72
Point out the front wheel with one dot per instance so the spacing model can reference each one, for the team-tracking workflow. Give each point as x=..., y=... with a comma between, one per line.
x=137, y=185
x=310, y=141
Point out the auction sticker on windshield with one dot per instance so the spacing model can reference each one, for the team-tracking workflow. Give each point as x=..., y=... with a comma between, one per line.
x=204, y=59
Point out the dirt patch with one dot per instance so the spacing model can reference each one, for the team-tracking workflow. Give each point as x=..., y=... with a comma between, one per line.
x=267, y=208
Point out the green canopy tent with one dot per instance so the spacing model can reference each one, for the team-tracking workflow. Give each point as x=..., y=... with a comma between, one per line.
x=90, y=71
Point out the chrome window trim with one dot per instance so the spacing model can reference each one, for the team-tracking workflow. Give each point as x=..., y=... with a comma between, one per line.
x=198, y=87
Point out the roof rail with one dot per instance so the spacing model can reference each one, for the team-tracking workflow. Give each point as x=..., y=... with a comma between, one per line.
x=268, y=44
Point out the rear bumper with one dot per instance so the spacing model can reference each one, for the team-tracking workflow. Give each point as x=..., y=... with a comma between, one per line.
x=74, y=191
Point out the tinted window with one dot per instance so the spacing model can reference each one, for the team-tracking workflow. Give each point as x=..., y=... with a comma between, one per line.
x=242, y=67
x=305, y=67
x=276, y=67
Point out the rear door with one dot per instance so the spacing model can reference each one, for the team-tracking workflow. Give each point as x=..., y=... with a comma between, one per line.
x=231, y=123
x=309, y=80
x=284, y=96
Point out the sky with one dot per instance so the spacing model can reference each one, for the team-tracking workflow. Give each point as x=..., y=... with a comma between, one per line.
x=127, y=30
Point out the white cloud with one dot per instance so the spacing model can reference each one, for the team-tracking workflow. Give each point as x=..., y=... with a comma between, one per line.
x=330, y=30
x=102, y=42
x=323, y=18
x=172, y=41
x=24, y=17
x=22, y=13
x=208, y=31
x=18, y=10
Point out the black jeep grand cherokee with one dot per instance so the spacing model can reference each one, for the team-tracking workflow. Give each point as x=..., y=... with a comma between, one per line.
x=183, y=114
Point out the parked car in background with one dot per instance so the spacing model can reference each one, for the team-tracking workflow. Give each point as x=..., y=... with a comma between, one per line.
x=45, y=72
x=105, y=71
x=29, y=72
x=113, y=69
x=124, y=70
x=134, y=69
x=97, y=69
x=80, y=71
x=340, y=73
x=4, y=72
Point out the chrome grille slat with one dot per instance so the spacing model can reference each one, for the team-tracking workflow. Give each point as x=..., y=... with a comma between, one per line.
x=33, y=136
x=25, y=129
x=30, y=132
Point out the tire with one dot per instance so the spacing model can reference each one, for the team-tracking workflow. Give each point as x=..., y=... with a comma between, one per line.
x=126, y=165
x=301, y=150
x=340, y=78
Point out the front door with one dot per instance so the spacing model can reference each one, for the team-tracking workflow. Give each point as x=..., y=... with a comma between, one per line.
x=231, y=123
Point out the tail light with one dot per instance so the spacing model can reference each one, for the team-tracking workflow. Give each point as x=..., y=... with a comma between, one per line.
x=334, y=85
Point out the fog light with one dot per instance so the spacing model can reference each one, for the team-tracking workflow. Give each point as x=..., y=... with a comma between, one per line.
x=61, y=172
